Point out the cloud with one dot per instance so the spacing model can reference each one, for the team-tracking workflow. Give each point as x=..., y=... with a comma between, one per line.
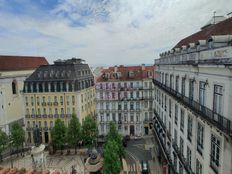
x=102, y=31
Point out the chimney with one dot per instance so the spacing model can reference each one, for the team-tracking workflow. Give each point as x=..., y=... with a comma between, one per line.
x=143, y=67
x=115, y=68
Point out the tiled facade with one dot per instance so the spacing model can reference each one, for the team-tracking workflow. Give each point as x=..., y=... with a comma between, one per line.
x=125, y=96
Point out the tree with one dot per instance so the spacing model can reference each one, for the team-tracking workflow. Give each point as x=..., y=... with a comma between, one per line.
x=58, y=134
x=17, y=135
x=3, y=142
x=114, y=135
x=74, y=131
x=111, y=163
x=89, y=130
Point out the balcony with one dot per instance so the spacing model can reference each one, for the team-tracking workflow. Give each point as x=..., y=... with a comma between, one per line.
x=217, y=120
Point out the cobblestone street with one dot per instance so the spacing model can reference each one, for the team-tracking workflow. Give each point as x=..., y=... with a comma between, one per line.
x=57, y=161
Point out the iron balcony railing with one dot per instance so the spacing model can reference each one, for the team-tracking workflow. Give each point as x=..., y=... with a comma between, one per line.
x=217, y=120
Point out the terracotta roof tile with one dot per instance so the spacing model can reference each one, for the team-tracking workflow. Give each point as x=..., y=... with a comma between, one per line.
x=14, y=63
x=221, y=28
x=140, y=72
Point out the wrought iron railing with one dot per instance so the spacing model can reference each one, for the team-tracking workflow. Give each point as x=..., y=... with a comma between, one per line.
x=217, y=120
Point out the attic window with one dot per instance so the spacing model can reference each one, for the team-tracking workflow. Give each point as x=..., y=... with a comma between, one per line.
x=63, y=73
x=45, y=74
x=69, y=73
x=57, y=74
x=39, y=74
x=51, y=73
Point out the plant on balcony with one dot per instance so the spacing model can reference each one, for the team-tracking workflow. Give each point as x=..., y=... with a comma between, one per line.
x=59, y=134
x=17, y=136
x=3, y=142
x=89, y=131
x=73, y=135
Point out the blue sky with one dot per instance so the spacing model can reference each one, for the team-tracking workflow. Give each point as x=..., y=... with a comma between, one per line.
x=106, y=32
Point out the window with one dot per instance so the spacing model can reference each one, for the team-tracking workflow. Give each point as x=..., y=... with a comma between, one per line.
x=218, y=98
x=113, y=117
x=67, y=100
x=170, y=108
x=182, y=120
x=38, y=101
x=50, y=111
x=183, y=86
x=32, y=101
x=137, y=117
x=175, y=162
x=131, y=117
x=191, y=89
x=176, y=114
x=202, y=93
x=131, y=105
x=137, y=94
x=39, y=111
x=171, y=81
x=125, y=105
x=61, y=100
x=175, y=135
x=189, y=129
x=51, y=124
x=177, y=83
x=56, y=111
x=166, y=79
x=131, y=85
x=119, y=117
x=200, y=138
x=198, y=167
x=165, y=103
x=119, y=106
x=62, y=110
x=26, y=99
x=131, y=95
x=181, y=146
x=44, y=111
x=55, y=99
x=107, y=105
x=215, y=153
x=137, y=105
x=14, y=87
x=189, y=157
x=73, y=100
x=27, y=111
x=125, y=117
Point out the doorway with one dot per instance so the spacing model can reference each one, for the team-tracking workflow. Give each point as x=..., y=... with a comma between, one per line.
x=132, y=130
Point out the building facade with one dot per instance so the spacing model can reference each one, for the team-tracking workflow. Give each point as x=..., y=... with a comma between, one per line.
x=13, y=71
x=125, y=96
x=57, y=91
x=193, y=103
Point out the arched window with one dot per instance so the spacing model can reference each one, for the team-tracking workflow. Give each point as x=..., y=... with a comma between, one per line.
x=14, y=90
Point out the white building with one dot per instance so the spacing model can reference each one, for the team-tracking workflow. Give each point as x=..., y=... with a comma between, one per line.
x=193, y=102
x=125, y=96
x=13, y=71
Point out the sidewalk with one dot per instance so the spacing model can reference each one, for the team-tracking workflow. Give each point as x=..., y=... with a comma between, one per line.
x=154, y=165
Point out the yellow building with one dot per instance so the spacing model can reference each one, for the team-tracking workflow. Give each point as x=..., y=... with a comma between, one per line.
x=13, y=71
x=56, y=91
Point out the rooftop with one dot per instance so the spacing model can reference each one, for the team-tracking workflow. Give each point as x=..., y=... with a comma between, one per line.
x=126, y=73
x=17, y=63
x=221, y=28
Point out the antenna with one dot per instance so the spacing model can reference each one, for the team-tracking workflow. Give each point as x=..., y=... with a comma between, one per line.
x=214, y=17
x=229, y=14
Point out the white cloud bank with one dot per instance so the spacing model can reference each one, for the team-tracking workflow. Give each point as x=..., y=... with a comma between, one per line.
x=111, y=32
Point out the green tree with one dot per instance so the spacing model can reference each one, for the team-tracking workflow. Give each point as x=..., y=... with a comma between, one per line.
x=17, y=135
x=3, y=142
x=111, y=163
x=89, y=130
x=114, y=135
x=74, y=131
x=59, y=134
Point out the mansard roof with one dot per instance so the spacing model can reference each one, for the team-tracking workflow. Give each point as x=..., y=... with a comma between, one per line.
x=62, y=70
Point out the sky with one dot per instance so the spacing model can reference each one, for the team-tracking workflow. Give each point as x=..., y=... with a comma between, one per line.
x=102, y=32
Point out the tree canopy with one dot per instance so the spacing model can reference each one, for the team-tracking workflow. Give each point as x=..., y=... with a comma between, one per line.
x=74, y=131
x=89, y=130
x=58, y=133
x=3, y=141
x=114, y=135
x=111, y=163
x=17, y=135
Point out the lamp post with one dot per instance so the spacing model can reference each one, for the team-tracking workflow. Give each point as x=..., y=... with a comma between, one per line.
x=11, y=159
